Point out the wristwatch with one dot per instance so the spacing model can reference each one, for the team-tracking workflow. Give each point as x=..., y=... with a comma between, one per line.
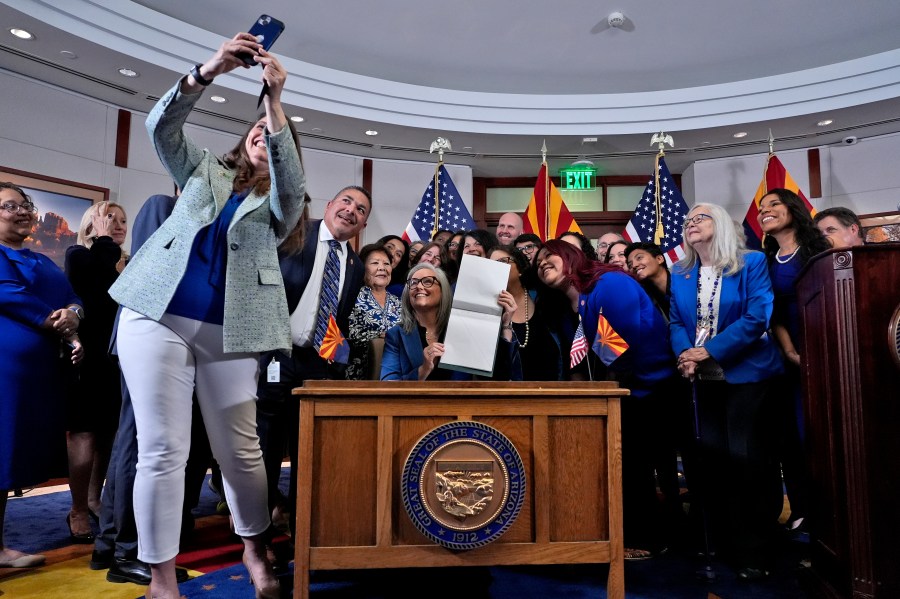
x=195, y=73
x=78, y=310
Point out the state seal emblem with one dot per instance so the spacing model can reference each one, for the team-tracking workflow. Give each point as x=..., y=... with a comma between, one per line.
x=463, y=485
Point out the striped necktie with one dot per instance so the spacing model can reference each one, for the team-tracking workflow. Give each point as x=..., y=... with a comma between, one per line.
x=328, y=298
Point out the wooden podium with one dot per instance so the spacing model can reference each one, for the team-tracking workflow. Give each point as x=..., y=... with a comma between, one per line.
x=355, y=438
x=848, y=299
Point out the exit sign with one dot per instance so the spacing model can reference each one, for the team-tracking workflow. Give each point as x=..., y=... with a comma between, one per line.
x=577, y=178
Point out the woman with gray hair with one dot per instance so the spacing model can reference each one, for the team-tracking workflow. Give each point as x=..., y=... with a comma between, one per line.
x=413, y=349
x=721, y=306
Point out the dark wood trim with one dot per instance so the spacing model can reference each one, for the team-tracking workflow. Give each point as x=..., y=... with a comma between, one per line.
x=356, y=242
x=479, y=200
x=603, y=219
x=815, y=173
x=123, y=138
x=94, y=192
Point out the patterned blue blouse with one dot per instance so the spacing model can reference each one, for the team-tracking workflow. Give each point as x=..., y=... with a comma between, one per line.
x=368, y=320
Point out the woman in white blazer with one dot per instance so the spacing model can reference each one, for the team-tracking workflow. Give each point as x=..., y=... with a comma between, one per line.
x=200, y=299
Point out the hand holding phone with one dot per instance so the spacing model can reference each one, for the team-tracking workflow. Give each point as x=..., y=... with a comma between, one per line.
x=266, y=29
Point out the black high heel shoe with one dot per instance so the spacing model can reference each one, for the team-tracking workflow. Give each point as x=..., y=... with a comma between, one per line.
x=82, y=538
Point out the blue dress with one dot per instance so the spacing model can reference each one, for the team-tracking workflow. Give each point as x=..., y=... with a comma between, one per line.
x=32, y=410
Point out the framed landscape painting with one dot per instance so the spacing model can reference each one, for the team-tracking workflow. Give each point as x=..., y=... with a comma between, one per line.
x=60, y=205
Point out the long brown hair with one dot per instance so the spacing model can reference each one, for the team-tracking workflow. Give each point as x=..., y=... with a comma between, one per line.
x=237, y=159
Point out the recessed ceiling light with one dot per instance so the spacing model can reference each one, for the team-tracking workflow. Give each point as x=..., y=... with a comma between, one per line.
x=371, y=132
x=126, y=72
x=22, y=34
x=740, y=134
x=68, y=54
x=824, y=123
x=705, y=143
x=316, y=129
x=297, y=119
x=467, y=147
x=218, y=99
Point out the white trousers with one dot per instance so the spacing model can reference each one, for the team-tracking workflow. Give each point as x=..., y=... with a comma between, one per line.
x=163, y=363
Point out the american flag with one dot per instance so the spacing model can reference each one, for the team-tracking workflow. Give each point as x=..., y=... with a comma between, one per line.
x=452, y=214
x=579, y=346
x=672, y=209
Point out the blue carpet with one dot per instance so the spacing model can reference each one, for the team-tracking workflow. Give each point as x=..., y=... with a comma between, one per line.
x=36, y=524
x=671, y=577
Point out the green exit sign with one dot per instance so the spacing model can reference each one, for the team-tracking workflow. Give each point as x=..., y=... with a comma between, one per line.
x=578, y=178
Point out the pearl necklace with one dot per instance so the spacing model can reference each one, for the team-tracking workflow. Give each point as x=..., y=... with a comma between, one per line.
x=781, y=260
x=527, y=331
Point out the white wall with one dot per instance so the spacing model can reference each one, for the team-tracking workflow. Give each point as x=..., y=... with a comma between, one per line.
x=861, y=177
x=397, y=190
x=56, y=133
x=49, y=131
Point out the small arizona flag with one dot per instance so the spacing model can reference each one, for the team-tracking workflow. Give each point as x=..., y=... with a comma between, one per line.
x=608, y=344
x=334, y=347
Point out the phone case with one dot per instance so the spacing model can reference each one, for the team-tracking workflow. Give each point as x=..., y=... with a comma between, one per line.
x=269, y=28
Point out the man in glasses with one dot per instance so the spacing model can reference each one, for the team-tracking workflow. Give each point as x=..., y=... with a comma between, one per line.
x=606, y=240
x=529, y=244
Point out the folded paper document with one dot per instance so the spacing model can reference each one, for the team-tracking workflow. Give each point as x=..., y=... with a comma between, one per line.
x=470, y=344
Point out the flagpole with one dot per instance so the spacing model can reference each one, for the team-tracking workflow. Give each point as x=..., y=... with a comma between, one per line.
x=546, y=191
x=765, y=180
x=661, y=139
x=440, y=144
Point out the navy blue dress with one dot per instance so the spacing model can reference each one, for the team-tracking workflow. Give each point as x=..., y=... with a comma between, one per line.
x=32, y=410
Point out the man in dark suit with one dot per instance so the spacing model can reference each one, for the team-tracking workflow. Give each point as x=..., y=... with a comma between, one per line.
x=304, y=269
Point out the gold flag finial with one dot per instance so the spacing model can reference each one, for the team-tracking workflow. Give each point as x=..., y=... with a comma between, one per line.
x=771, y=143
x=440, y=144
x=544, y=152
x=660, y=140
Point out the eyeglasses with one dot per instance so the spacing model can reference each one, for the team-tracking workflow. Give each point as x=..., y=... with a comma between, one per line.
x=527, y=249
x=504, y=260
x=696, y=219
x=425, y=282
x=14, y=208
x=452, y=245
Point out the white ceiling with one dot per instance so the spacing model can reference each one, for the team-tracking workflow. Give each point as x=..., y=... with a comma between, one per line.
x=497, y=78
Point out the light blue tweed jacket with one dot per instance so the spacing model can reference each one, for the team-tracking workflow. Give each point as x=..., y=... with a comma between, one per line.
x=256, y=313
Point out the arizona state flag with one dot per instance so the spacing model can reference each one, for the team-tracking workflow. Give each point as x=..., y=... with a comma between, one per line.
x=775, y=176
x=334, y=347
x=608, y=344
x=547, y=215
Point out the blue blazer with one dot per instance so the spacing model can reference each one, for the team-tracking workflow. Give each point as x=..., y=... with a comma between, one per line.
x=742, y=346
x=403, y=354
x=633, y=315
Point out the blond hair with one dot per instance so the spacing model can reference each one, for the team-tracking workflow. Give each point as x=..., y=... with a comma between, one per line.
x=86, y=235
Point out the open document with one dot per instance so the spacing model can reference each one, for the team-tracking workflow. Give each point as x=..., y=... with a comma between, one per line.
x=470, y=344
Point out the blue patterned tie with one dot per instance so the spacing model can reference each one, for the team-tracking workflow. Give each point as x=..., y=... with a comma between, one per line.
x=328, y=298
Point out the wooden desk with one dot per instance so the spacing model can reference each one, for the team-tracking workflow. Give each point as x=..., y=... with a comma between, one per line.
x=355, y=438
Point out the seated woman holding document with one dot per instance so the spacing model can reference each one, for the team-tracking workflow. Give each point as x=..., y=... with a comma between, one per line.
x=413, y=348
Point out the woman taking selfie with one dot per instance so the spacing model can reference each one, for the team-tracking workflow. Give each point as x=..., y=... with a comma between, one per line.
x=201, y=299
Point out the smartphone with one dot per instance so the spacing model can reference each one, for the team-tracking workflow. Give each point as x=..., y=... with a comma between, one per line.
x=266, y=29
